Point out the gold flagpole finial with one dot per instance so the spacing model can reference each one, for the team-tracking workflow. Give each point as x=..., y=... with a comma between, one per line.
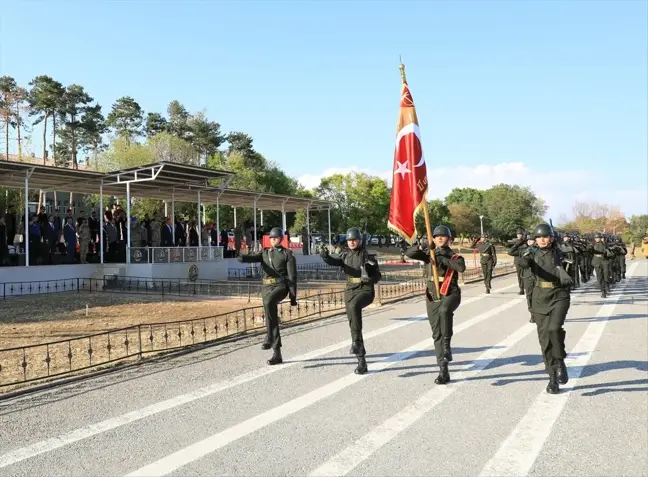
x=402, y=70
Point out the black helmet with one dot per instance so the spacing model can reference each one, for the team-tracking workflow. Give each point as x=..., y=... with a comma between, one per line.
x=598, y=235
x=441, y=230
x=276, y=232
x=353, y=234
x=542, y=230
x=530, y=237
x=520, y=230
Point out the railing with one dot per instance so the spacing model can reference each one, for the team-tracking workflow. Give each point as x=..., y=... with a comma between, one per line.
x=175, y=254
x=181, y=287
x=316, y=274
x=26, y=364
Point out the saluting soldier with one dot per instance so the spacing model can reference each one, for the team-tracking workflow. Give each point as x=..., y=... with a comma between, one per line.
x=528, y=278
x=441, y=312
x=520, y=242
x=550, y=302
x=488, y=260
x=279, y=281
x=362, y=273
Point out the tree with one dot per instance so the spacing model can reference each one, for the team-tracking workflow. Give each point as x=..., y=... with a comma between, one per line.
x=178, y=119
x=439, y=214
x=155, y=124
x=8, y=89
x=507, y=207
x=638, y=227
x=360, y=199
x=473, y=198
x=465, y=222
x=73, y=106
x=93, y=126
x=206, y=135
x=170, y=148
x=20, y=106
x=45, y=101
x=126, y=118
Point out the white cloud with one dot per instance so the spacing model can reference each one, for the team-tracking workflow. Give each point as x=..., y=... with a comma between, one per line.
x=558, y=188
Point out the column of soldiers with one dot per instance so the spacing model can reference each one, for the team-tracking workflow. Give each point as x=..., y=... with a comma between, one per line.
x=549, y=266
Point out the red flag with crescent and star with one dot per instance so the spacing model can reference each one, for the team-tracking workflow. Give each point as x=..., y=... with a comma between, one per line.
x=409, y=182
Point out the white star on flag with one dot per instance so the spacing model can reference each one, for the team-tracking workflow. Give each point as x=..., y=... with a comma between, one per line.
x=402, y=169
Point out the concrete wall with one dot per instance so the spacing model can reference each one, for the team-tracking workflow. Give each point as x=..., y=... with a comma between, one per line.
x=47, y=272
x=206, y=270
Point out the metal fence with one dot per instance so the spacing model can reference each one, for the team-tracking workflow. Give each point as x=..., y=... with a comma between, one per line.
x=183, y=287
x=25, y=364
x=317, y=274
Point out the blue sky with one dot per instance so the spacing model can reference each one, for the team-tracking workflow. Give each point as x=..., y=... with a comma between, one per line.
x=548, y=94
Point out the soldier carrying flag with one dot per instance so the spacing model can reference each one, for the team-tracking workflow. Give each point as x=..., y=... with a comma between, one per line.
x=409, y=189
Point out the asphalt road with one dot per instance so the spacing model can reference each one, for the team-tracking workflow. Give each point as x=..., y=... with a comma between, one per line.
x=222, y=411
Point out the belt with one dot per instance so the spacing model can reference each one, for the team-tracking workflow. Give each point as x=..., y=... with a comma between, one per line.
x=354, y=280
x=543, y=284
x=269, y=281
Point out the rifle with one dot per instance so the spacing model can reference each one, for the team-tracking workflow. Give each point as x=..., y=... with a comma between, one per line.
x=364, y=276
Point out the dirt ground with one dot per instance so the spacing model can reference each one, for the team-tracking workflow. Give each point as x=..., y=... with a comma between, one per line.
x=61, y=318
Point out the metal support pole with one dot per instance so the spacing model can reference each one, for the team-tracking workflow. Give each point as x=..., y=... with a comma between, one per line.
x=173, y=214
x=102, y=222
x=283, y=218
x=166, y=209
x=128, y=223
x=218, y=215
x=255, y=223
x=26, y=219
x=308, y=234
x=234, y=216
x=199, y=229
x=261, y=215
x=330, y=237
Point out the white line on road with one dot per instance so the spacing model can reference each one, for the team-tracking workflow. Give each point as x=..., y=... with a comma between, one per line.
x=206, y=446
x=520, y=449
x=363, y=448
x=91, y=430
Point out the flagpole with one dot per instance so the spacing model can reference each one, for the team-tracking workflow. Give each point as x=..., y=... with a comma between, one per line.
x=428, y=227
x=435, y=272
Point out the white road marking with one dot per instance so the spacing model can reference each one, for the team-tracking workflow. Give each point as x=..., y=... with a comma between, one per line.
x=520, y=449
x=363, y=448
x=91, y=430
x=196, y=451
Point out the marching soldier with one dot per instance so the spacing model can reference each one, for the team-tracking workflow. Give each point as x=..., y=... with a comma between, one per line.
x=600, y=263
x=488, y=260
x=550, y=302
x=279, y=281
x=517, y=251
x=569, y=255
x=521, y=239
x=441, y=312
x=362, y=274
x=621, y=257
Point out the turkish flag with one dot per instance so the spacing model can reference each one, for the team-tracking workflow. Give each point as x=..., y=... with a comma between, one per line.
x=409, y=183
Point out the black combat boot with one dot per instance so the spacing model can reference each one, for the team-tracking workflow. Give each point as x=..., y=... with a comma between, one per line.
x=444, y=375
x=563, y=376
x=552, y=387
x=266, y=346
x=276, y=357
x=446, y=351
x=531, y=320
x=362, y=365
x=521, y=292
x=487, y=291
